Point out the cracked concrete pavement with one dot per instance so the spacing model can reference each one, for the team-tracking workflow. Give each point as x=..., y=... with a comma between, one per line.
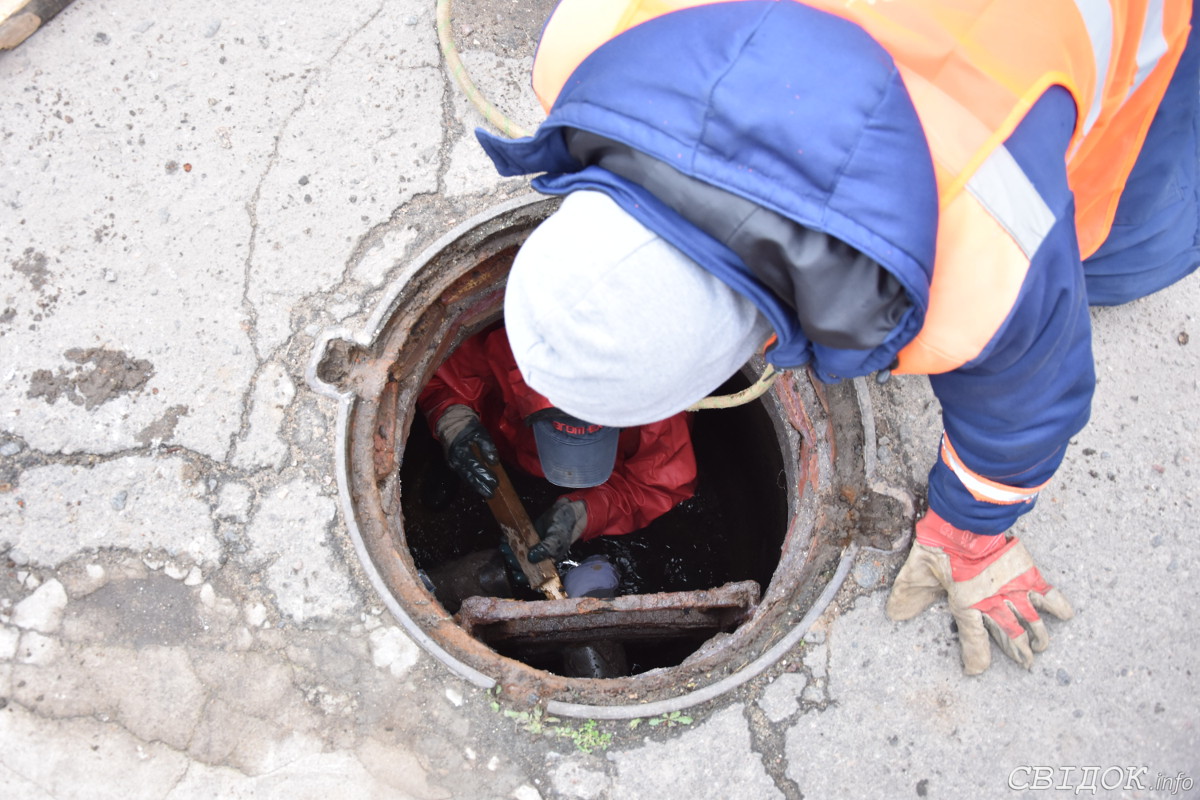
x=189, y=195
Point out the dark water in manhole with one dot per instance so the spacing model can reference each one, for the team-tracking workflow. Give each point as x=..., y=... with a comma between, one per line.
x=730, y=530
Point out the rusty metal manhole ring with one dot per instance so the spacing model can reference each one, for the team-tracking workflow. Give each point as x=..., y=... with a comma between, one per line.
x=454, y=289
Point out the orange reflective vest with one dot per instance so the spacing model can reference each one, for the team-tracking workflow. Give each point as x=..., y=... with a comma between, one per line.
x=973, y=69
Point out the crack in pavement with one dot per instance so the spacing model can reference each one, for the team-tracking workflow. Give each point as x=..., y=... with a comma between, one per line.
x=252, y=204
x=769, y=744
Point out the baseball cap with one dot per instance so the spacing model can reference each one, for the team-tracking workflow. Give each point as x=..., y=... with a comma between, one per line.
x=574, y=454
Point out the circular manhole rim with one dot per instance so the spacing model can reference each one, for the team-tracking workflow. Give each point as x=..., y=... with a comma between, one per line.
x=401, y=323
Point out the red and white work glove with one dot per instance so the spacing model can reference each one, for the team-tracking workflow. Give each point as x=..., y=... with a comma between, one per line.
x=992, y=587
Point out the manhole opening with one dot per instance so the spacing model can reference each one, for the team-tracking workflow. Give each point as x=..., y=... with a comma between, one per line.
x=731, y=529
x=732, y=578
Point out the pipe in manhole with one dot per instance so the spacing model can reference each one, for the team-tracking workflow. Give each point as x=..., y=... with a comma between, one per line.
x=814, y=438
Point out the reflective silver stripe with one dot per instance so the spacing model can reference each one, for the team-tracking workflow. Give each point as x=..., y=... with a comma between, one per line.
x=1152, y=47
x=1098, y=19
x=1002, y=187
x=978, y=488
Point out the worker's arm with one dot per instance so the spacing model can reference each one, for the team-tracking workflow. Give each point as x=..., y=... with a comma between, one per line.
x=1008, y=420
x=452, y=403
x=1009, y=414
x=650, y=477
x=1008, y=417
x=465, y=378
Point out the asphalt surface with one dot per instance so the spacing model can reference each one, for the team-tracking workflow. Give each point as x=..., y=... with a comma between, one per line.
x=190, y=194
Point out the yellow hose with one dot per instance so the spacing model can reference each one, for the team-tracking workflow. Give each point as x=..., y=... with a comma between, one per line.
x=492, y=114
x=757, y=390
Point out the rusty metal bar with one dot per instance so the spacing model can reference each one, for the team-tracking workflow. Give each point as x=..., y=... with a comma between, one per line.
x=641, y=616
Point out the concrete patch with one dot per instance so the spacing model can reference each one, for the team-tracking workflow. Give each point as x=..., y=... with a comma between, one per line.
x=151, y=611
x=65, y=688
x=258, y=720
x=276, y=747
x=903, y=711
x=344, y=663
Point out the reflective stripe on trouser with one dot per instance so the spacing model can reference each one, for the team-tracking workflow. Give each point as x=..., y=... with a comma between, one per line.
x=986, y=490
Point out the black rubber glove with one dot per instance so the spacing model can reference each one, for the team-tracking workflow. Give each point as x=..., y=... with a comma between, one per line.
x=560, y=527
x=461, y=432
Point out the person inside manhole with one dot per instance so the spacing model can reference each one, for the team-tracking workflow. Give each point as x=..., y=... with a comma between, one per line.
x=619, y=479
x=882, y=187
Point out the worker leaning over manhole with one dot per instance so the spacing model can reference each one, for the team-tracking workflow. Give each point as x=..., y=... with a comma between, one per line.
x=913, y=187
x=481, y=410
